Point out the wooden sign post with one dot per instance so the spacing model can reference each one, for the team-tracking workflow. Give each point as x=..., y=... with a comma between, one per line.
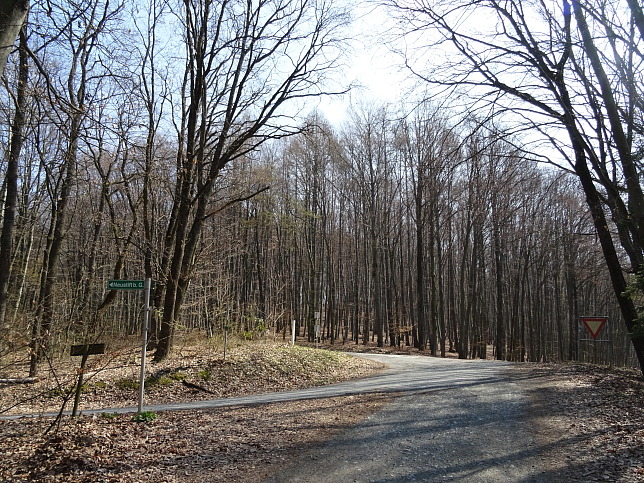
x=84, y=350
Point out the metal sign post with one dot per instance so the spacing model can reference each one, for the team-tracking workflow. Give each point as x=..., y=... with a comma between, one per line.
x=317, y=329
x=144, y=340
x=138, y=285
x=594, y=326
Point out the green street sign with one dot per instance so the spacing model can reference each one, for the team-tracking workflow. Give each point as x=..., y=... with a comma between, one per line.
x=125, y=284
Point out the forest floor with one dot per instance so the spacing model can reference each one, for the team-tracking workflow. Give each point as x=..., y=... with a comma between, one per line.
x=590, y=419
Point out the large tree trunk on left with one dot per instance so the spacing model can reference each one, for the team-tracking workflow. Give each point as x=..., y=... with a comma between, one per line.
x=11, y=179
x=12, y=16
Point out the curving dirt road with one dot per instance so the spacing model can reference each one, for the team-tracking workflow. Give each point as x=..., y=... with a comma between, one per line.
x=456, y=420
x=450, y=420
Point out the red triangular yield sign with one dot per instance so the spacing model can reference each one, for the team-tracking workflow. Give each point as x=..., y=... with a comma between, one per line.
x=594, y=324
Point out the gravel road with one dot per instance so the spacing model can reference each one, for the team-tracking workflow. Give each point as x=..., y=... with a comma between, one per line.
x=455, y=420
x=450, y=420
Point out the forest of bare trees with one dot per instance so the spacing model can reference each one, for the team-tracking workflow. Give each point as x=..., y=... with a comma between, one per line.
x=164, y=140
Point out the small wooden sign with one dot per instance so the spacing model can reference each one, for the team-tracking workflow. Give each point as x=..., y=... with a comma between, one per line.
x=87, y=349
x=84, y=350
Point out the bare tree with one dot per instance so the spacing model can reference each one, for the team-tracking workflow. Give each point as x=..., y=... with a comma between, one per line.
x=428, y=146
x=18, y=129
x=368, y=155
x=72, y=94
x=246, y=64
x=550, y=69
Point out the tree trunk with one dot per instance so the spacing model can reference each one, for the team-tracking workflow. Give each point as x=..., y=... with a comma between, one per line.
x=11, y=179
x=626, y=304
x=42, y=326
x=498, y=262
x=12, y=16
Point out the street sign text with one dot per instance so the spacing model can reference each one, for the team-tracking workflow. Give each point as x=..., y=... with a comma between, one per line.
x=125, y=284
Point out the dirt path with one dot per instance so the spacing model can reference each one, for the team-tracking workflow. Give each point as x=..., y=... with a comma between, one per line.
x=492, y=422
x=466, y=422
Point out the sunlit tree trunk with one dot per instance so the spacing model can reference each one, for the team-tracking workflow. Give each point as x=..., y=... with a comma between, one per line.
x=12, y=16
x=11, y=178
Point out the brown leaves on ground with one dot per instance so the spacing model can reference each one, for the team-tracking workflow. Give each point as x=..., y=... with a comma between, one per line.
x=237, y=444
x=589, y=420
x=195, y=372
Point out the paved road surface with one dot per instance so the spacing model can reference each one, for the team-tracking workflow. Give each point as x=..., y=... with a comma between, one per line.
x=453, y=420
x=456, y=421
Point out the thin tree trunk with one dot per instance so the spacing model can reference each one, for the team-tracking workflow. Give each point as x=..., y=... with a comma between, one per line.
x=42, y=326
x=498, y=262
